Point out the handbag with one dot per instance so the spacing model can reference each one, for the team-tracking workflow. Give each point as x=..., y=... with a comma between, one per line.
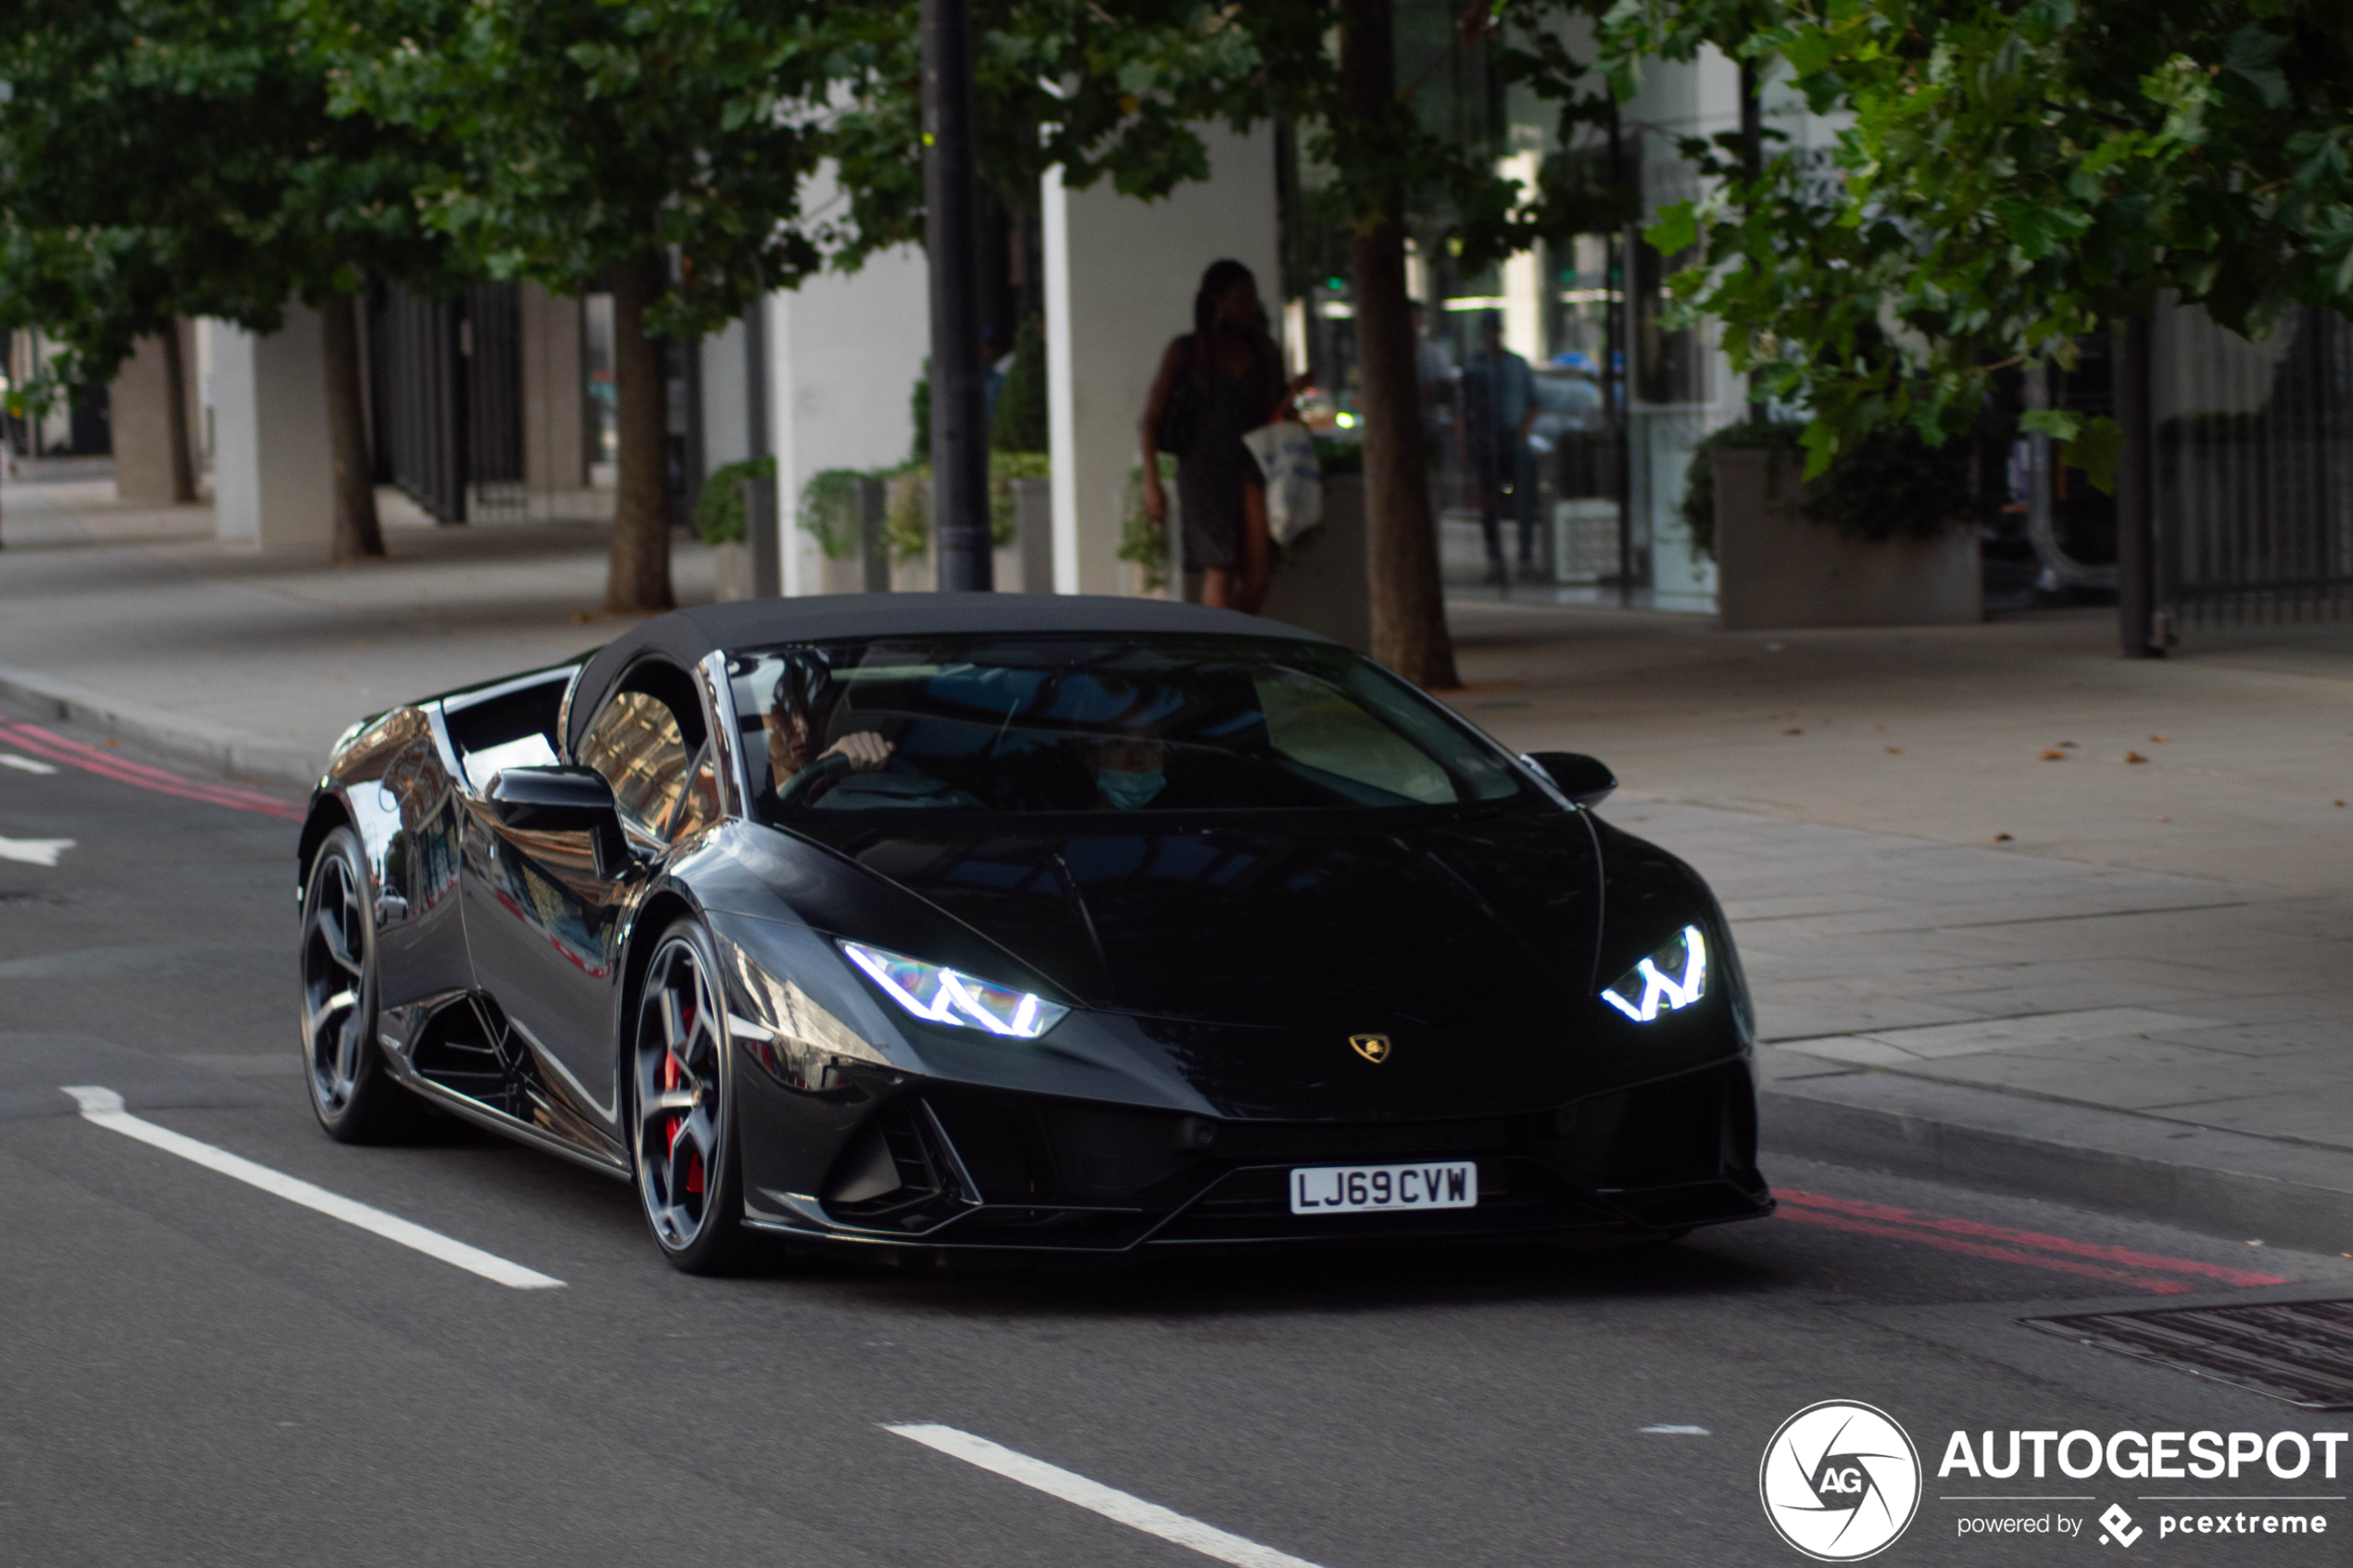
x=1180, y=416
x=1286, y=454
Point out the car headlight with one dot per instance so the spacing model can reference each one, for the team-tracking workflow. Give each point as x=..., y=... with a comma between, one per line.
x=1670, y=980
x=945, y=996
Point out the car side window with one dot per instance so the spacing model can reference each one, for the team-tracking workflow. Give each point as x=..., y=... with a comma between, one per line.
x=510, y=727
x=655, y=759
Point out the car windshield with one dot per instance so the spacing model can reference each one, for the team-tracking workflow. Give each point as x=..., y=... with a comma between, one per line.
x=1098, y=723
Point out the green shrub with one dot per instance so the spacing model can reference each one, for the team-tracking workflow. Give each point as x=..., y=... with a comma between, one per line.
x=907, y=523
x=1138, y=540
x=719, y=511
x=1018, y=422
x=1890, y=484
x=829, y=509
x=1336, y=458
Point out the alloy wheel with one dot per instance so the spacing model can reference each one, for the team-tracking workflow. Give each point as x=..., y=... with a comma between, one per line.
x=335, y=984
x=681, y=1100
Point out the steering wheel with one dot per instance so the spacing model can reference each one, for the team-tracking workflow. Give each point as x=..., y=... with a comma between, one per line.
x=828, y=768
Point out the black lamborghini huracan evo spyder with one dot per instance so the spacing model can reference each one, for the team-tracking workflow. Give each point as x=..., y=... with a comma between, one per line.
x=1021, y=922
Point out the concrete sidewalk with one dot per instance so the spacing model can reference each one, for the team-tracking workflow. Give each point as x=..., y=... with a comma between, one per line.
x=1985, y=945
x=1986, y=942
x=136, y=620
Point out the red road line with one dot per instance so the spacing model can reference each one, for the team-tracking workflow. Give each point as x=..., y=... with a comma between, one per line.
x=122, y=771
x=1980, y=1250
x=57, y=749
x=2061, y=1244
x=56, y=742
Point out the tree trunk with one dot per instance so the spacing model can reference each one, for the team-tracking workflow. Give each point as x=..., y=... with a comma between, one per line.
x=359, y=535
x=2136, y=494
x=640, y=578
x=175, y=410
x=1409, y=605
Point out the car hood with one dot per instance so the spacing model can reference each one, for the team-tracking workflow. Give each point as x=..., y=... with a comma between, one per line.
x=1253, y=952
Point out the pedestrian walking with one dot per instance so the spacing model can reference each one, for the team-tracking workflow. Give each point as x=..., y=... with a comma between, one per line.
x=1221, y=379
x=1499, y=409
x=1434, y=380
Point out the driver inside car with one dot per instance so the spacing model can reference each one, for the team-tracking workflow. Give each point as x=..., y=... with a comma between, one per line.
x=876, y=776
x=792, y=731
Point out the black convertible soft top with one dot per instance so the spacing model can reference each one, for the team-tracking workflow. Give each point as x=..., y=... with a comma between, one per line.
x=687, y=634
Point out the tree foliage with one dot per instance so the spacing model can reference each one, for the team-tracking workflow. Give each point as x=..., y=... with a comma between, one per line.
x=167, y=159
x=2011, y=176
x=588, y=133
x=1117, y=90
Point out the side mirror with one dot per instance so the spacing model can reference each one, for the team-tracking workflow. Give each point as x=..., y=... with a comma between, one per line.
x=552, y=799
x=565, y=801
x=1586, y=780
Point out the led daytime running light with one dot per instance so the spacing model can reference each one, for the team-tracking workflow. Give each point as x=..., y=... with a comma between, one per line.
x=1658, y=992
x=944, y=996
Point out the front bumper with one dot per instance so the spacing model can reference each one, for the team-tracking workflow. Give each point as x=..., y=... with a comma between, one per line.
x=948, y=1166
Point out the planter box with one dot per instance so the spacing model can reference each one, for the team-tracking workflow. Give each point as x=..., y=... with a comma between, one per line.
x=842, y=576
x=1326, y=586
x=733, y=563
x=1025, y=566
x=1775, y=569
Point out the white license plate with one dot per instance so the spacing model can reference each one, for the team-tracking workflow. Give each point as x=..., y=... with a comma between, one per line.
x=1355, y=1189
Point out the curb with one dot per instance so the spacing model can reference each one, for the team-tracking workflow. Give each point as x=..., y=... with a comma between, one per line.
x=217, y=747
x=2225, y=1184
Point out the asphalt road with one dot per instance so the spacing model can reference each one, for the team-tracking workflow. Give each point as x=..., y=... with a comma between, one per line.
x=193, y=1370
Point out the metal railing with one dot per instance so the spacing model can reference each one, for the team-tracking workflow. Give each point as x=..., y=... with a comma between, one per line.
x=2254, y=469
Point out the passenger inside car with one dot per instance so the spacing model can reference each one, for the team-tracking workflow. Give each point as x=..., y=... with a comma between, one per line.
x=1130, y=771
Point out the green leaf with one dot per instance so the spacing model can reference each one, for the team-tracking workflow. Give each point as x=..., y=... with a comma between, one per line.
x=2249, y=55
x=1821, y=448
x=1677, y=229
x=2096, y=451
x=2059, y=424
x=1810, y=52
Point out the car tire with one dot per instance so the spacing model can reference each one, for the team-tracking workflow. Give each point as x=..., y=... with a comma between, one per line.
x=352, y=1090
x=682, y=1123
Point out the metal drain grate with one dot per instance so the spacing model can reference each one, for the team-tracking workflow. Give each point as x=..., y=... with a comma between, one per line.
x=2299, y=1351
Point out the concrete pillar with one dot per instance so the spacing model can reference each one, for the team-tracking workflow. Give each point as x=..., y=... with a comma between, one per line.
x=555, y=420
x=843, y=354
x=726, y=434
x=141, y=402
x=1120, y=276
x=273, y=482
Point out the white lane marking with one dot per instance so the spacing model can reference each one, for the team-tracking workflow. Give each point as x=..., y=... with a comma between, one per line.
x=1671, y=1431
x=1111, y=1503
x=104, y=1107
x=25, y=764
x=34, y=851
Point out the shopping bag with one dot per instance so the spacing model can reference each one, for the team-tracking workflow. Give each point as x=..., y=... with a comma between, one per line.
x=1286, y=454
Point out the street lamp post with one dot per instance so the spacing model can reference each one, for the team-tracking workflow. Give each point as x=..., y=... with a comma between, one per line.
x=959, y=406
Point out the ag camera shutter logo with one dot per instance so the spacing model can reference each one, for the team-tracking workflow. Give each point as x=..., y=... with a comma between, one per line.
x=1840, y=1481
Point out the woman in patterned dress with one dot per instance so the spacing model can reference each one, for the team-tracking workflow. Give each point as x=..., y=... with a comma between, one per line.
x=1233, y=375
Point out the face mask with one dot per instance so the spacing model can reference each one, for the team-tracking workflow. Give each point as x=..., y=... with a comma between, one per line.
x=1130, y=792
